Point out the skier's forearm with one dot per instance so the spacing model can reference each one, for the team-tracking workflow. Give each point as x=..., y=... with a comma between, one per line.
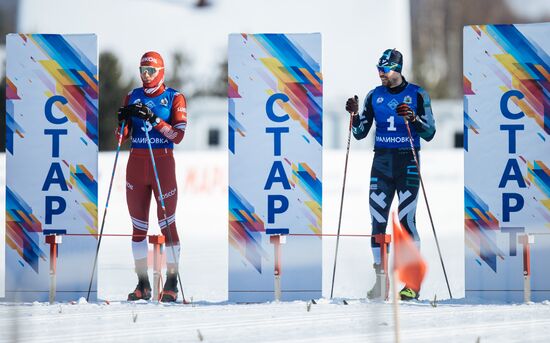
x=362, y=123
x=360, y=127
x=425, y=122
x=178, y=115
x=424, y=129
x=170, y=132
x=127, y=126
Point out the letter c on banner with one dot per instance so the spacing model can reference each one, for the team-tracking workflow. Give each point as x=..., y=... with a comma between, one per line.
x=269, y=107
x=48, y=109
x=504, y=104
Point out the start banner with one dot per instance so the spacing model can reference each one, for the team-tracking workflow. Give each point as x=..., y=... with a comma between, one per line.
x=275, y=165
x=51, y=163
x=506, y=159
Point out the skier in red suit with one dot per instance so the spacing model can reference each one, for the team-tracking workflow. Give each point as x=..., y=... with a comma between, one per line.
x=162, y=112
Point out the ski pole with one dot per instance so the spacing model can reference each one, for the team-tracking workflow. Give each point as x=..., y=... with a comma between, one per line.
x=169, y=233
x=428, y=206
x=119, y=143
x=341, y=206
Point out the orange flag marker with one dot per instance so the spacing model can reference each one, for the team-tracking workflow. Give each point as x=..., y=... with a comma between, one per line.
x=409, y=265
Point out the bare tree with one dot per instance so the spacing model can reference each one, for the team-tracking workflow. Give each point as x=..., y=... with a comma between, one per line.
x=112, y=89
x=218, y=87
x=8, y=16
x=202, y=3
x=179, y=76
x=436, y=34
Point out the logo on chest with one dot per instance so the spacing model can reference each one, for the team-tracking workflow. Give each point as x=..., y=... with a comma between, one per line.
x=380, y=100
x=407, y=99
x=150, y=104
x=164, y=102
x=393, y=104
x=148, y=125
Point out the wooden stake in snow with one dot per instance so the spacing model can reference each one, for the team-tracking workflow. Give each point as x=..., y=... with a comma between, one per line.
x=395, y=296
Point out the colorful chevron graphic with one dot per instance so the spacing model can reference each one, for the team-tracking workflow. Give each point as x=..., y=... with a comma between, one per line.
x=23, y=230
x=232, y=89
x=481, y=229
x=526, y=67
x=11, y=125
x=234, y=125
x=469, y=124
x=467, y=86
x=76, y=79
x=84, y=181
x=304, y=177
x=245, y=228
x=538, y=174
x=297, y=75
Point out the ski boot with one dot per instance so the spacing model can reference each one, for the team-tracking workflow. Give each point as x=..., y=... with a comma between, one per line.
x=143, y=288
x=170, y=289
x=381, y=279
x=408, y=293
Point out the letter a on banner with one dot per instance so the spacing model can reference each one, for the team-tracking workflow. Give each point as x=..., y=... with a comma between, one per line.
x=51, y=163
x=275, y=166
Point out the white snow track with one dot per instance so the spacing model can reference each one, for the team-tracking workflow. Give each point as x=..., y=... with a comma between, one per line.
x=273, y=322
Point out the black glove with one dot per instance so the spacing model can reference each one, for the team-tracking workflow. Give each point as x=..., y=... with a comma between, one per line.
x=352, y=105
x=123, y=115
x=406, y=112
x=143, y=112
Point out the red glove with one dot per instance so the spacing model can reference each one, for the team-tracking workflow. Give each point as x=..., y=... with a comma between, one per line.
x=405, y=111
x=352, y=105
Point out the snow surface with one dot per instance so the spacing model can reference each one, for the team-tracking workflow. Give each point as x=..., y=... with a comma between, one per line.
x=202, y=223
x=273, y=322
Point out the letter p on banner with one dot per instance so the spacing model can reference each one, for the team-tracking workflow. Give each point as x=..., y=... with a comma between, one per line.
x=51, y=162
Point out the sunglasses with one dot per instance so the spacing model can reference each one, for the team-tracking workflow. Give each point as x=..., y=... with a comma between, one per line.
x=384, y=69
x=149, y=70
